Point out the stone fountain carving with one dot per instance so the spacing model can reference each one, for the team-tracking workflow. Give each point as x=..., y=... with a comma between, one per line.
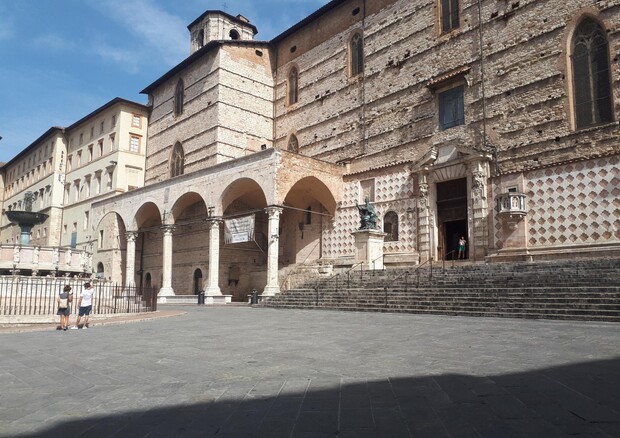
x=26, y=218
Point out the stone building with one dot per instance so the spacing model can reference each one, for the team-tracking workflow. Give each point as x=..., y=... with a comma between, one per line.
x=494, y=121
x=66, y=169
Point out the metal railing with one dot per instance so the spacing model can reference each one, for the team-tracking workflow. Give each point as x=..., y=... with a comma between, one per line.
x=37, y=296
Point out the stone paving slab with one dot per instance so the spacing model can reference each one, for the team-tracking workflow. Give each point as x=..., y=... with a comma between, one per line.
x=253, y=372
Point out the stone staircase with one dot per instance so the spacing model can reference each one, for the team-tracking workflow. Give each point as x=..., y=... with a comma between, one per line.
x=575, y=290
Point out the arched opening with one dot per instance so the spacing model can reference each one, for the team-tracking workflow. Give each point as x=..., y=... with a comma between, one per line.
x=100, y=271
x=293, y=144
x=197, y=281
x=177, y=160
x=356, y=54
x=147, y=280
x=390, y=226
x=179, y=93
x=234, y=34
x=111, y=243
x=292, y=86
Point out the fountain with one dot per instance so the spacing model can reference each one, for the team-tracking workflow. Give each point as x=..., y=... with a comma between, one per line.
x=26, y=219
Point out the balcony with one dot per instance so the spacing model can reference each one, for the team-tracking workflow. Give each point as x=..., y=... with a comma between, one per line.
x=511, y=205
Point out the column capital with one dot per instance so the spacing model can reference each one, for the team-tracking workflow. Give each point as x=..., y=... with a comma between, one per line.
x=213, y=221
x=273, y=211
x=168, y=229
x=131, y=236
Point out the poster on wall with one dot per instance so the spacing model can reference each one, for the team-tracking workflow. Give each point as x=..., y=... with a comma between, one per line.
x=239, y=229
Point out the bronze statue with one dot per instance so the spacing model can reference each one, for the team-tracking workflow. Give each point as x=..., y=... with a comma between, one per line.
x=368, y=216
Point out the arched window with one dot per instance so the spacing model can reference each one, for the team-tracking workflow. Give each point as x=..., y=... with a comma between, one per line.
x=200, y=38
x=234, y=34
x=293, y=85
x=100, y=270
x=591, y=76
x=177, y=161
x=390, y=226
x=293, y=144
x=356, y=55
x=147, y=280
x=178, y=98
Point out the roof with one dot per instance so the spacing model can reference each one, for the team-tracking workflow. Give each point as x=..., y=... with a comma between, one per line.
x=105, y=107
x=328, y=7
x=31, y=146
x=236, y=19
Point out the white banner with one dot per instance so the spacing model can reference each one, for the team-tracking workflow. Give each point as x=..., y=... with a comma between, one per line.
x=240, y=229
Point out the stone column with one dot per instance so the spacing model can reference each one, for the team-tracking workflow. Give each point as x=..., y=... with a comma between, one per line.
x=272, y=287
x=166, y=287
x=130, y=262
x=213, y=286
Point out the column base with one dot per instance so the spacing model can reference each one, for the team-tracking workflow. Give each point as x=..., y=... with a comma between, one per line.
x=270, y=291
x=213, y=290
x=163, y=293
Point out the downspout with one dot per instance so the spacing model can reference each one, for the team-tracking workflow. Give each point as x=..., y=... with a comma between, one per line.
x=485, y=143
x=364, y=78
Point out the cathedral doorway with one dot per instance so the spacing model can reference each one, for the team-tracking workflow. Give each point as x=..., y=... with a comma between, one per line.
x=451, y=217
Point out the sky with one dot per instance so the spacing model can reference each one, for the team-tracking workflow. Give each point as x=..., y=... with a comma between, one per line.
x=62, y=59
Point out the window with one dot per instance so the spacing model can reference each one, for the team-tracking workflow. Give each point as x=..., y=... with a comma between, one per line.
x=451, y=108
x=293, y=144
x=356, y=55
x=81, y=137
x=86, y=215
x=178, y=98
x=111, y=143
x=100, y=242
x=67, y=193
x=449, y=10
x=97, y=183
x=77, y=191
x=367, y=190
x=234, y=34
x=101, y=126
x=64, y=229
x=90, y=153
x=390, y=226
x=110, y=179
x=135, y=120
x=200, y=38
x=100, y=148
x=591, y=78
x=292, y=88
x=69, y=163
x=92, y=132
x=177, y=161
x=78, y=160
x=134, y=144
x=113, y=122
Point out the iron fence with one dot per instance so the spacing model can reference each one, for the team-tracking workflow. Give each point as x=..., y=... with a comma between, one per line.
x=37, y=296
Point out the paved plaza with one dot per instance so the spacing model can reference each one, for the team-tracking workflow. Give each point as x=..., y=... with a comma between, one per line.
x=251, y=372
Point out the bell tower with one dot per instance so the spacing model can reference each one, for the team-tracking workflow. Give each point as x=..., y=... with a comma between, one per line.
x=219, y=26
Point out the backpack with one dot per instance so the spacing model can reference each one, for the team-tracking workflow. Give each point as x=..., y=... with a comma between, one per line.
x=63, y=303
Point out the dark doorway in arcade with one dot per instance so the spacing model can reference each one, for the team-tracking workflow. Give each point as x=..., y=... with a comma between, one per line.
x=452, y=217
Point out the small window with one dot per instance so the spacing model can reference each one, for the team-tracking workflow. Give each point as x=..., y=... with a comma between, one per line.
x=177, y=161
x=451, y=108
x=293, y=85
x=367, y=190
x=81, y=138
x=100, y=244
x=92, y=132
x=113, y=122
x=86, y=216
x=101, y=125
x=234, y=34
x=449, y=15
x=136, y=120
x=293, y=144
x=200, y=38
x=90, y=153
x=356, y=55
x=178, y=98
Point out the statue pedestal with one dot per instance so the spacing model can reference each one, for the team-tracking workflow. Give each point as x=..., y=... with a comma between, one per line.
x=369, y=248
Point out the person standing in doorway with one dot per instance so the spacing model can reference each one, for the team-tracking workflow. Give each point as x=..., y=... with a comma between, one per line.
x=63, y=301
x=86, y=306
x=462, y=243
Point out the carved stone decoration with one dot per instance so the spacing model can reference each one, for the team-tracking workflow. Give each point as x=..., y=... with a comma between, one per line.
x=478, y=186
x=16, y=254
x=423, y=196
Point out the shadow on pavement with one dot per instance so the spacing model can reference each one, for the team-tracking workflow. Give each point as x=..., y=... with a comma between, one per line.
x=575, y=400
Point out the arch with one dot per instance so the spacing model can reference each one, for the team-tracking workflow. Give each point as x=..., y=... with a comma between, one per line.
x=590, y=74
x=177, y=160
x=292, y=85
x=293, y=144
x=147, y=280
x=149, y=215
x=188, y=205
x=308, y=189
x=197, y=281
x=245, y=190
x=234, y=34
x=356, y=54
x=100, y=271
x=200, y=38
x=179, y=94
x=390, y=226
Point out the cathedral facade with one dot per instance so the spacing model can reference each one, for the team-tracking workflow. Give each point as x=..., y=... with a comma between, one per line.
x=492, y=122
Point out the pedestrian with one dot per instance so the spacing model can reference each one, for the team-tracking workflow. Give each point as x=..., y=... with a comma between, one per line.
x=86, y=306
x=63, y=300
x=462, y=243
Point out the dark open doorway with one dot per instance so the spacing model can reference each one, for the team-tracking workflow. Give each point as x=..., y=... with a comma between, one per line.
x=452, y=217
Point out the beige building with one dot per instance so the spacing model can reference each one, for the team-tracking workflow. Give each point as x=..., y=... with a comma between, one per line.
x=67, y=169
x=503, y=132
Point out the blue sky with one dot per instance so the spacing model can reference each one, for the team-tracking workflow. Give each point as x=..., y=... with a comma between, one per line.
x=61, y=59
